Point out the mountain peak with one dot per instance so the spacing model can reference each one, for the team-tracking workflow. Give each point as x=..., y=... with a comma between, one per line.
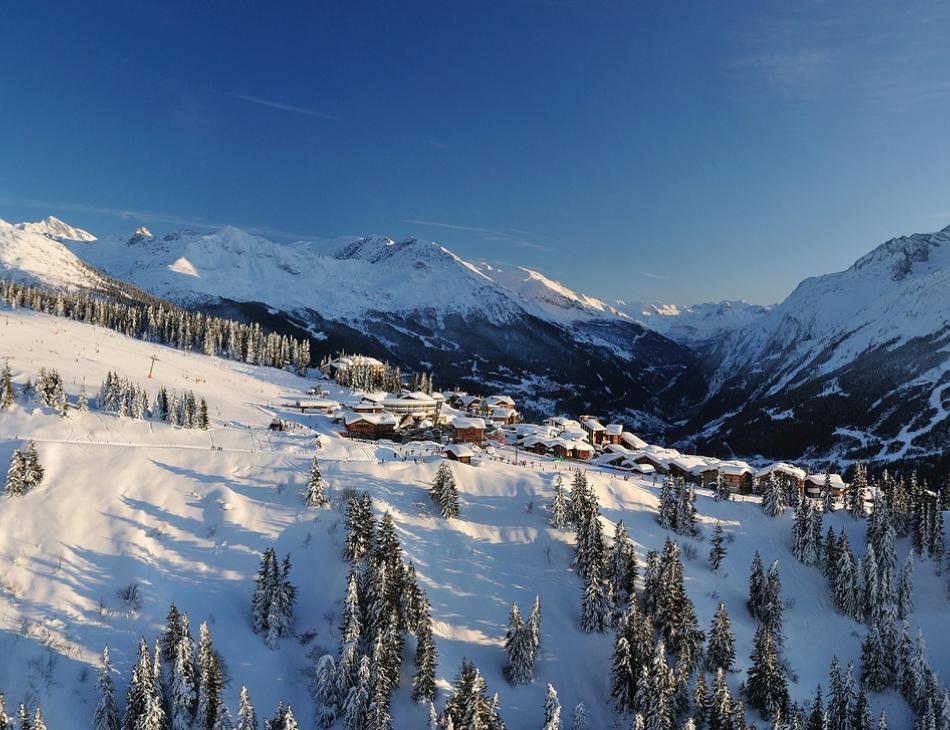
x=143, y=232
x=53, y=227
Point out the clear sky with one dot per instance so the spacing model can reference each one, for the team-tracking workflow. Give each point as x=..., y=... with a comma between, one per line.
x=647, y=151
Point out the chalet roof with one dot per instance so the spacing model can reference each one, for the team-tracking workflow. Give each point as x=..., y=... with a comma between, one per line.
x=835, y=479
x=573, y=434
x=500, y=400
x=377, y=419
x=781, y=468
x=314, y=403
x=632, y=440
x=614, y=429
x=459, y=450
x=461, y=422
x=592, y=424
x=734, y=468
x=503, y=413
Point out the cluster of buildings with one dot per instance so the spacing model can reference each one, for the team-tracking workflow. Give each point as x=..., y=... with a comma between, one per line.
x=462, y=421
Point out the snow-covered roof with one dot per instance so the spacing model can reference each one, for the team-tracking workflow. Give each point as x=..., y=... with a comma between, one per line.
x=632, y=440
x=377, y=419
x=355, y=360
x=501, y=400
x=314, y=403
x=592, y=424
x=834, y=479
x=417, y=395
x=573, y=434
x=689, y=464
x=734, y=468
x=614, y=429
x=781, y=468
x=459, y=450
x=503, y=413
x=462, y=422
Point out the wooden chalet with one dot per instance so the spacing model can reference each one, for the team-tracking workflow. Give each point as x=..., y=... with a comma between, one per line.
x=596, y=431
x=458, y=452
x=371, y=425
x=781, y=469
x=614, y=432
x=814, y=485
x=468, y=430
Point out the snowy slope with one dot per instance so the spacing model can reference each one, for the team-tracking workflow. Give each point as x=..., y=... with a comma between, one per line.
x=862, y=355
x=29, y=255
x=53, y=227
x=139, y=500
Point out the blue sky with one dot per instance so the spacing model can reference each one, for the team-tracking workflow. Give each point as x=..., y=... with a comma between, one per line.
x=690, y=152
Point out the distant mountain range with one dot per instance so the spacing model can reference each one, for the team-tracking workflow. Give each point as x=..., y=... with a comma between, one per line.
x=851, y=365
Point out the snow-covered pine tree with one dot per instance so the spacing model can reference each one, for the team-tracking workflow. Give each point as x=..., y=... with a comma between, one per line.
x=718, y=550
x=359, y=526
x=552, y=710
x=830, y=553
x=138, y=703
x=621, y=570
x=280, y=616
x=33, y=470
x=38, y=722
x=7, y=395
x=773, y=497
x=107, y=710
x=315, y=493
x=685, y=515
x=757, y=587
x=267, y=578
x=519, y=669
x=721, y=491
x=721, y=648
x=325, y=691
x=15, y=484
x=581, y=495
x=595, y=607
x=209, y=680
x=533, y=626
x=766, y=685
x=905, y=589
x=623, y=673
x=814, y=550
x=721, y=705
x=356, y=704
x=184, y=684
x=874, y=671
x=827, y=495
x=844, y=584
x=171, y=635
x=666, y=513
x=701, y=701
x=580, y=717
x=855, y=493
x=426, y=659
x=773, y=608
x=559, y=507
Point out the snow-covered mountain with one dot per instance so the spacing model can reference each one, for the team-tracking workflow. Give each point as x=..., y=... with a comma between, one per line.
x=417, y=303
x=53, y=227
x=856, y=362
x=698, y=324
x=28, y=254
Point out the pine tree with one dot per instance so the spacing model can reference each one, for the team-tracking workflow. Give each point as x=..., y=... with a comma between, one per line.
x=209, y=681
x=766, y=684
x=721, y=491
x=426, y=659
x=7, y=396
x=140, y=689
x=666, y=515
x=184, y=692
x=874, y=670
x=171, y=635
x=519, y=668
x=356, y=705
x=107, y=710
x=38, y=722
x=580, y=718
x=828, y=495
x=359, y=526
x=445, y=493
x=816, y=714
x=773, y=498
x=757, y=587
x=773, y=608
x=15, y=484
x=718, y=551
x=845, y=594
x=882, y=721
x=33, y=471
x=861, y=712
x=315, y=493
x=621, y=570
x=559, y=507
x=721, y=706
x=701, y=701
x=326, y=691
x=855, y=493
x=246, y=717
x=595, y=607
x=552, y=710
x=721, y=649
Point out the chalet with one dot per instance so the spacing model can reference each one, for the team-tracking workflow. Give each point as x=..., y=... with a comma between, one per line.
x=505, y=416
x=316, y=405
x=500, y=401
x=371, y=425
x=815, y=484
x=781, y=469
x=468, y=430
x=689, y=468
x=415, y=404
x=347, y=362
x=614, y=432
x=561, y=423
x=596, y=431
x=737, y=474
x=368, y=406
x=469, y=403
x=458, y=452
x=658, y=463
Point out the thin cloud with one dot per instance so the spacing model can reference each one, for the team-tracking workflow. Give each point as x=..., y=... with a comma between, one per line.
x=510, y=237
x=651, y=275
x=282, y=106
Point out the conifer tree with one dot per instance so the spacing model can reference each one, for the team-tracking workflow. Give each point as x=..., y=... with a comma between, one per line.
x=830, y=552
x=559, y=507
x=855, y=493
x=595, y=607
x=246, y=717
x=209, y=680
x=721, y=491
x=874, y=670
x=107, y=710
x=766, y=684
x=359, y=526
x=33, y=471
x=184, y=689
x=326, y=691
x=581, y=496
x=15, y=484
x=905, y=589
x=666, y=515
x=773, y=497
x=552, y=710
x=315, y=493
x=423, y=681
x=7, y=396
x=621, y=569
x=445, y=493
x=721, y=706
x=721, y=649
x=580, y=717
x=356, y=705
x=519, y=668
x=815, y=719
x=718, y=550
x=141, y=687
x=773, y=608
x=701, y=701
x=828, y=496
x=757, y=587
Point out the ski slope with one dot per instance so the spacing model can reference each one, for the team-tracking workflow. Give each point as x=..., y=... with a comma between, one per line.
x=142, y=501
